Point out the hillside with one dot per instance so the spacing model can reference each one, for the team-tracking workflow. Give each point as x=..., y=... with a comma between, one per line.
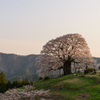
x=16, y=65
x=72, y=87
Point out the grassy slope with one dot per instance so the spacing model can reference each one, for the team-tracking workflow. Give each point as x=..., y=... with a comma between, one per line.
x=72, y=87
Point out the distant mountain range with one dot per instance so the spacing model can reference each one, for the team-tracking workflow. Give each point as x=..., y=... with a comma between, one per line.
x=16, y=65
x=98, y=59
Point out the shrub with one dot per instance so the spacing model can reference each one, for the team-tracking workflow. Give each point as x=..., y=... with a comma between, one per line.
x=89, y=70
x=40, y=78
x=46, y=78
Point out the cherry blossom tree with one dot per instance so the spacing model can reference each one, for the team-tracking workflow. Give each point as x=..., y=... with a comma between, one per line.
x=46, y=64
x=62, y=51
x=82, y=66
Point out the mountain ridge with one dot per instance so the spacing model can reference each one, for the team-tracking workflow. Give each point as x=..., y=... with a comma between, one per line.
x=19, y=65
x=13, y=64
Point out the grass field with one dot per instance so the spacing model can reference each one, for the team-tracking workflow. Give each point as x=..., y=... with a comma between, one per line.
x=72, y=87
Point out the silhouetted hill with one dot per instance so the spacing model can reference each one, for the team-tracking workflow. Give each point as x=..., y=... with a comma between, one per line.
x=16, y=65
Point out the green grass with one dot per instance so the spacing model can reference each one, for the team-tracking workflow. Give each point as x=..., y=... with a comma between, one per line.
x=72, y=87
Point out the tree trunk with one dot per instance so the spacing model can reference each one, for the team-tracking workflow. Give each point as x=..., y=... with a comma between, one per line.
x=67, y=67
x=59, y=73
x=75, y=67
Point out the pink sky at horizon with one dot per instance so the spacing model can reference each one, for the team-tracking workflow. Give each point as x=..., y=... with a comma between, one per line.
x=25, y=26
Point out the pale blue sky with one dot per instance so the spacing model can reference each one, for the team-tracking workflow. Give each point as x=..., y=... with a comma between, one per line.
x=26, y=25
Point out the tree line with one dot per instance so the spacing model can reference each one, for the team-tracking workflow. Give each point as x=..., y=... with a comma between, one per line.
x=7, y=84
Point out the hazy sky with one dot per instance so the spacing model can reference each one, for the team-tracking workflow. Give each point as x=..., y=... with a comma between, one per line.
x=26, y=25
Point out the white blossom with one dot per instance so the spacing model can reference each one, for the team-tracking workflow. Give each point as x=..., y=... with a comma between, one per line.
x=58, y=52
x=27, y=94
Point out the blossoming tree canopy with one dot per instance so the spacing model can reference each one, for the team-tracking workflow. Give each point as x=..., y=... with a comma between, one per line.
x=62, y=51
